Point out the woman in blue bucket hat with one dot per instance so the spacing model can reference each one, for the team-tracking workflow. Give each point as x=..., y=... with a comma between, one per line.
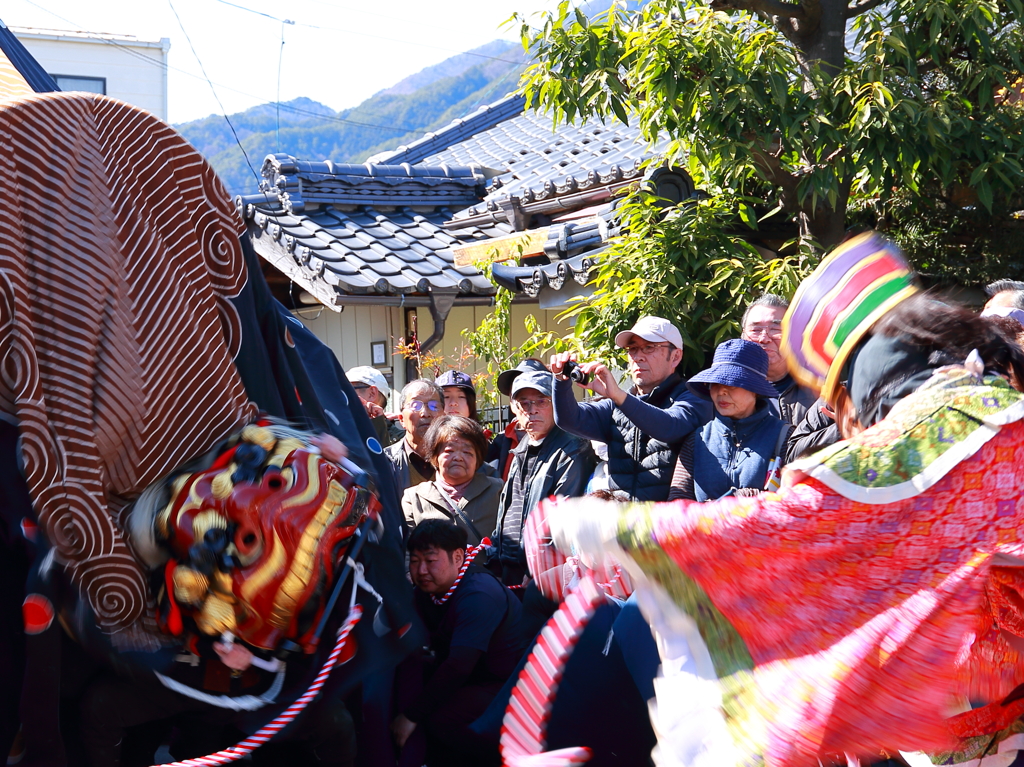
x=738, y=452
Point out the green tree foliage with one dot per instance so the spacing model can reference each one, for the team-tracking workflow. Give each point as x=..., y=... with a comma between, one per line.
x=897, y=113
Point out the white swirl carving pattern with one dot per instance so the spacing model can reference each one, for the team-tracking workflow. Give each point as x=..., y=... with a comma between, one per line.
x=116, y=341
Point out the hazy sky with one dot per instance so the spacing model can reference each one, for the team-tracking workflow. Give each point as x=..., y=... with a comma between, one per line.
x=338, y=52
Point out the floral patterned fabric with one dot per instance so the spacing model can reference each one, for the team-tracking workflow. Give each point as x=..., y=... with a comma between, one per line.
x=924, y=436
x=853, y=625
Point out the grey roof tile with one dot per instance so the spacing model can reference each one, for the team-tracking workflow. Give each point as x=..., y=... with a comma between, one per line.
x=541, y=163
x=364, y=248
x=485, y=117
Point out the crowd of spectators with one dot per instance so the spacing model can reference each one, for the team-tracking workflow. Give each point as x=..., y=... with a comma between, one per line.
x=466, y=495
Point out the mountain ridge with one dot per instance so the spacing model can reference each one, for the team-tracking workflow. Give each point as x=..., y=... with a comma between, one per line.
x=424, y=101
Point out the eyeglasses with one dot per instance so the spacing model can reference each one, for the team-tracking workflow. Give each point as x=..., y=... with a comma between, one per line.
x=534, y=404
x=360, y=387
x=417, y=406
x=646, y=350
x=772, y=330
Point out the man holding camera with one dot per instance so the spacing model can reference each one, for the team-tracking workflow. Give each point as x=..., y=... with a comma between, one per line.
x=643, y=427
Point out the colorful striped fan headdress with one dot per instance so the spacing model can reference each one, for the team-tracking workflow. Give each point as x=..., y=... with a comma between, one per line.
x=852, y=288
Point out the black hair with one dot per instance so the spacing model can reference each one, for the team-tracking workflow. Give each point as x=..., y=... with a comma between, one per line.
x=946, y=334
x=437, y=534
x=470, y=400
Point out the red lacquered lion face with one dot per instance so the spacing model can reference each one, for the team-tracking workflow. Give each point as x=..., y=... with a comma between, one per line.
x=257, y=536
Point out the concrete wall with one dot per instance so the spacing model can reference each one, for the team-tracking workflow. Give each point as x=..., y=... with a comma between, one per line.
x=135, y=70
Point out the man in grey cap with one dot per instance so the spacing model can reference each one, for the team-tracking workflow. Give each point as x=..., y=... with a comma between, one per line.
x=372, y=388
x=499, y=455
x=643, y=427
x=547, y=462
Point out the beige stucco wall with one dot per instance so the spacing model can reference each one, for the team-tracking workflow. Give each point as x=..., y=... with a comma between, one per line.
x=350, y=333
x=135, y=70
x=462, y=317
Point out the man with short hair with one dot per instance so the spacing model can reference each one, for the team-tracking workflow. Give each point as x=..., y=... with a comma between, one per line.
x=643, y=427
x=476, y=639
x=548, y=461
x=373, y=391
x=422, y=402
x=1007, y=294
x=762, y=324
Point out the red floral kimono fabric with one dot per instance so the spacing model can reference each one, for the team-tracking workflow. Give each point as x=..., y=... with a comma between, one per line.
x=837, y=626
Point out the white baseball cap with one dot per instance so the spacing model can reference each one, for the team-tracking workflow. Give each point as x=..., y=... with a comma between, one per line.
x=653, y=329
x=369, y=376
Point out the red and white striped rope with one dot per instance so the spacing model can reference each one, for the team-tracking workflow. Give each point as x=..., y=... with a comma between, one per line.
x=524, y=729
x=470, y=556
x=283, y=719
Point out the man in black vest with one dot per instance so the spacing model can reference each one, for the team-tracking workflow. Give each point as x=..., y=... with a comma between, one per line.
x=643, y=427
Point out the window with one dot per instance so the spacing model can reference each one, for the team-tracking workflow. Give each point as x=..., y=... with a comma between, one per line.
x=77, y=83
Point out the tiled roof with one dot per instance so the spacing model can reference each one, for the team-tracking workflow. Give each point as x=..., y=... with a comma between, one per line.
x=457, y=131
x=365, y=229
x=541, y=164
x=387, y=228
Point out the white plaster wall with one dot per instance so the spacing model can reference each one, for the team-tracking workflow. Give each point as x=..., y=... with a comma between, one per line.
x=135, y=70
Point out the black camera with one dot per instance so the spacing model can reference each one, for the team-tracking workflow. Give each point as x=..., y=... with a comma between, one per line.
x=574, y=372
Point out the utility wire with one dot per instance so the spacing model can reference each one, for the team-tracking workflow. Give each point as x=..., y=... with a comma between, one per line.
x=280, y=58
x=367, y=34
x=227, y=119
x=164, y=65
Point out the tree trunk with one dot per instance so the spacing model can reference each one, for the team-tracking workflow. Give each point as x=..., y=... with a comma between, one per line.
x=825, y=225
x=825, y=44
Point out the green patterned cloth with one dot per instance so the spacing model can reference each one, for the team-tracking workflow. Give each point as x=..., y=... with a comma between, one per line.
x=925, y=435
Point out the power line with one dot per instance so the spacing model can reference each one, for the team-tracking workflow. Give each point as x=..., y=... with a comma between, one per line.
x=367, y=34
x=398, y=129
x=164, y=65
x=227, y=119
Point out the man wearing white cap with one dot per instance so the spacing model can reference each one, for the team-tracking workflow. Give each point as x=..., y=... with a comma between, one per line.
x=643, y=427
x=372, y=388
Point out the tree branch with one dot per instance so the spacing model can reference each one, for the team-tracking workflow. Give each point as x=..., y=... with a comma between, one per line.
x=865, y=5
x=770, y=7
x=775, y=174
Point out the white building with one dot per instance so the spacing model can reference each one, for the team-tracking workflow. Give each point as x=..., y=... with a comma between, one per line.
x=121, y=66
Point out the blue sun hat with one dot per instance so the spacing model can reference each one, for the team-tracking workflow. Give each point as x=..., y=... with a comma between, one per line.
x=738, y=363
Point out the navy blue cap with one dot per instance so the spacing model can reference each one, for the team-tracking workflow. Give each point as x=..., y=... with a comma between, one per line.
x=738, y=363
x=455, y=378
x=541, y=380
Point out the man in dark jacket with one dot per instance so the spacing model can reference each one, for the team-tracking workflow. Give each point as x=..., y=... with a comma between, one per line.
x=422, y=402
x=643, y=427
x=547, y=462
x=476, y=638
x=762, y=324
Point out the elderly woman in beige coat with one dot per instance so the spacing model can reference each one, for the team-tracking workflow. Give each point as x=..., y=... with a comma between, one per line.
x=456, y=447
